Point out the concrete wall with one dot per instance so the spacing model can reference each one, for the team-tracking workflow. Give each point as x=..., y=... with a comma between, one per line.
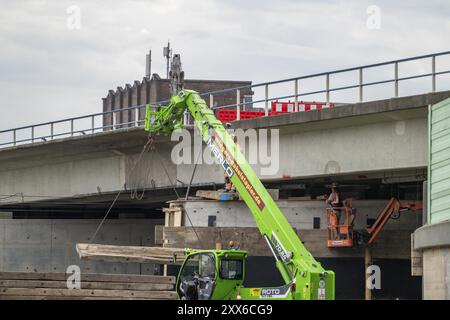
x=49, y=245
x=300, y=214
x=436, y=273
x=433, y=240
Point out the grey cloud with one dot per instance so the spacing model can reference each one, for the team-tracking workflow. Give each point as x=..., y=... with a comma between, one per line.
x=66, y=73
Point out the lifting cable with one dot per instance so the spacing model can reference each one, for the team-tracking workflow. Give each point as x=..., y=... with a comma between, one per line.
x=149, y=143
x=149, y=146
x=167, y=173
x=106, y=215
x=134, y=192
x=187, y=193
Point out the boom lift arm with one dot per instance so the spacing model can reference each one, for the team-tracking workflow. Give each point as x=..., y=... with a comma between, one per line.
x=296, y=264
x=393, y=207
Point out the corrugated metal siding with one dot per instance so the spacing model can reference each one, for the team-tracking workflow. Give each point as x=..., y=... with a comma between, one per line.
x=439, y=162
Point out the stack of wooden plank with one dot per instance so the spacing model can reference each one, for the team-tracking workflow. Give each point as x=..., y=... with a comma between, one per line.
x=130, y=254
x=53, y=286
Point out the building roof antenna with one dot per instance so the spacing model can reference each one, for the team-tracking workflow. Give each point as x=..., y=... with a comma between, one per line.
x=167, y=53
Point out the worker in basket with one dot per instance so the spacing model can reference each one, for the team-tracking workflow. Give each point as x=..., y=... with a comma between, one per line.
x=232, y=245
x=335, y=202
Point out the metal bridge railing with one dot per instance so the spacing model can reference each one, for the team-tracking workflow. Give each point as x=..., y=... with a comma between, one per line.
x=97, y=121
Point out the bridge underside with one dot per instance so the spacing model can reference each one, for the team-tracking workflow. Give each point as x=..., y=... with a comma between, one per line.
x=147, y=203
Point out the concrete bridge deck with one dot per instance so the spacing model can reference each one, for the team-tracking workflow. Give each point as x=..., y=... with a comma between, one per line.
x=379, y=138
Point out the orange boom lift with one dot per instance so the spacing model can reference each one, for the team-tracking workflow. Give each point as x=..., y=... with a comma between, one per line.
x=342, y=235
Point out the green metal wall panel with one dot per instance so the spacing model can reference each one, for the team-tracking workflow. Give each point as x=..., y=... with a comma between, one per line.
x=439, y=162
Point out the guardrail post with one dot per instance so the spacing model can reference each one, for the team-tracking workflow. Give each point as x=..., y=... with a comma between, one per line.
x=14, y=137
x=114, y=122
x=32, y=134
x=396, y=79
x=51, y=131
x=211, y=101
x=93, y=123
x=136, y=115
x=296, y=95
x=266, y=100
x=433, y=74
x=71, y=127
x=327, y=80
x=238, y=106
x=361, y=87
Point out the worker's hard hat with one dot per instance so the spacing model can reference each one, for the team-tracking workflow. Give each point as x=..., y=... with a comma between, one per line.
x=334, y=185
x=231, y=243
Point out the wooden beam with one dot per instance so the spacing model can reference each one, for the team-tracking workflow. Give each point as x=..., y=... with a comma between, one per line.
x=217, y=195
x=87, y=293
x=121, y=278
x=112, y=253
x=87, y=285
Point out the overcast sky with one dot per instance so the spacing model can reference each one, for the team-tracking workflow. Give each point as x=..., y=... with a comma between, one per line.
x=49, y=71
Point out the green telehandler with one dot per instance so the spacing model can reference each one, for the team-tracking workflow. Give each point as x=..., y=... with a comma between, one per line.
x=219, y=274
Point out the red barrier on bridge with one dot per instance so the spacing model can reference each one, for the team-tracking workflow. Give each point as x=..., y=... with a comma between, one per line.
x=287, y=107
x=231, y=115
x=226, y=115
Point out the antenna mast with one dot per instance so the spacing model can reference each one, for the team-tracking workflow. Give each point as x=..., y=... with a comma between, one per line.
x=167, y=52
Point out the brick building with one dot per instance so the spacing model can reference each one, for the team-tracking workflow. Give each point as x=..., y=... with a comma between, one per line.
x=154, y=90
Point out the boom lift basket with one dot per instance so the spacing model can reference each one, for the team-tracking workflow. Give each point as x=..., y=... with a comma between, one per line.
x=340, y=235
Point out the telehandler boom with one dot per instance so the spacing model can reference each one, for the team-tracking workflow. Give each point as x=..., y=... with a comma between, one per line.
x=219, y=274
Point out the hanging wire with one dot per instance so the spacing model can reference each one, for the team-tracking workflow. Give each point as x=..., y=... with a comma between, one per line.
x=106, y=215
x=193, y=174
x=167, y=173
x=149, y=143
x=147, y=147
x=187, y=193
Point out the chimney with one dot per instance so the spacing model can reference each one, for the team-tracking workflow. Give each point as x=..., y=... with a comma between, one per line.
x=148, y=65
